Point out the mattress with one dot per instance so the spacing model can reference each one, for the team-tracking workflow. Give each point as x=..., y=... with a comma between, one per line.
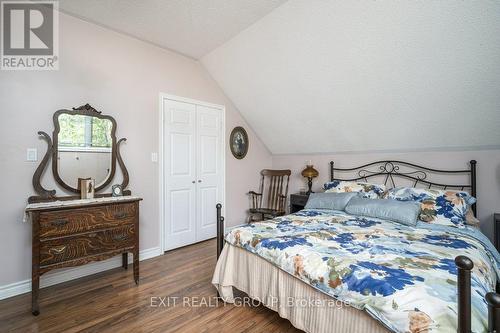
x=305, y=307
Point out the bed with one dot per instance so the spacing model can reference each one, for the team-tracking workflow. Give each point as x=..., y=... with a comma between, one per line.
x=324, y=269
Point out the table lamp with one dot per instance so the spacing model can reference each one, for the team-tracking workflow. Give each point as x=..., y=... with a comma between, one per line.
x=309, y=172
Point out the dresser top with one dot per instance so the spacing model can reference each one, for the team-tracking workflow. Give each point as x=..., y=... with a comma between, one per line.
x=79, y=203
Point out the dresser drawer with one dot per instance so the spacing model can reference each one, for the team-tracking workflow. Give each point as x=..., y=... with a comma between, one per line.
x=80, y=246
x=73, y=221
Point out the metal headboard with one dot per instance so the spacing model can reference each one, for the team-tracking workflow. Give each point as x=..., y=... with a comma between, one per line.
x=390, y=170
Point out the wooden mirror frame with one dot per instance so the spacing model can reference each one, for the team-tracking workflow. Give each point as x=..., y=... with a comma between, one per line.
x=47, y=195
x=85, y=110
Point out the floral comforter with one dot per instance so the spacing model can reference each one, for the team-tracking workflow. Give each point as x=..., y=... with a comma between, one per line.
x=403, y=276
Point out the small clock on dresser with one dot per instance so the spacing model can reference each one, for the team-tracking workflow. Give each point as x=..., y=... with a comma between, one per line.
x=117, y=190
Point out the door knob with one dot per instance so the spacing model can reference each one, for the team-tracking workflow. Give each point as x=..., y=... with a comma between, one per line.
x=199, y=180
x=193, y=182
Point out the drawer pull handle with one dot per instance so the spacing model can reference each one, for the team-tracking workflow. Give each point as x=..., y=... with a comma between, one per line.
x=59, y=223
x=120, y=215
x=58, y=249
x=120, y=237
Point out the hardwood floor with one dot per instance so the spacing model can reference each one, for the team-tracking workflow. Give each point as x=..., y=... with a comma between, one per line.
x=111, y=302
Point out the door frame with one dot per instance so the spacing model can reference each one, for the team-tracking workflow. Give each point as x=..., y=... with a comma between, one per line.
x=161, y=157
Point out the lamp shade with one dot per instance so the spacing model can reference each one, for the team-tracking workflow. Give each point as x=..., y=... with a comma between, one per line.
x=310, y=172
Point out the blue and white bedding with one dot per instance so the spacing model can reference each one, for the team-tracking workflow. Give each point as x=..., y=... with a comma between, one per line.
x=403, y=276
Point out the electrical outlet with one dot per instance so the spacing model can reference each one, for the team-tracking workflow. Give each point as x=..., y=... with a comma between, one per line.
x=154, y=157
x=31, y=155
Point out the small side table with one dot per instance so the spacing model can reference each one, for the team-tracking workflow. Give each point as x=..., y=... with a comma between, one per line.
x=297, y=202
x=496, y=230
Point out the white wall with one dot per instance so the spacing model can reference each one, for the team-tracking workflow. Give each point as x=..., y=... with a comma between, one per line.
x=122, y=77
x=488, y=172
x=341, y=76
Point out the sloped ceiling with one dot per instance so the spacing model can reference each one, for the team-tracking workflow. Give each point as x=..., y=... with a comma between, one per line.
x=336, y=76
x=190, y=27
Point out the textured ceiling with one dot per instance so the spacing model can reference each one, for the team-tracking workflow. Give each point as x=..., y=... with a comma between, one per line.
x=190, y=27
x=332, y=76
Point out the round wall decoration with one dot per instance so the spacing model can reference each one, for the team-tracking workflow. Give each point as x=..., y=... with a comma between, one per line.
x=238, y=141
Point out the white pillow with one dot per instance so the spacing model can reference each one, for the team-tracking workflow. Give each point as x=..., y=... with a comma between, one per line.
x=367, y=190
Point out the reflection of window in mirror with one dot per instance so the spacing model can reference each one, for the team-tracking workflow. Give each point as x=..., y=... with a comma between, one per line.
x=84, y=133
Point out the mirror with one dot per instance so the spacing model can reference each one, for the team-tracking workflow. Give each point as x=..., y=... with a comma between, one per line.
x=84, y=147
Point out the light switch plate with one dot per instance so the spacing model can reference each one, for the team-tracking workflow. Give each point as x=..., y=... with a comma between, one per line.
x=31, y=155
x=154, y=157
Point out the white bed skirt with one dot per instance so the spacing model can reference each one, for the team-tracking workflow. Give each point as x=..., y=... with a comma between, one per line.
x=305, y=307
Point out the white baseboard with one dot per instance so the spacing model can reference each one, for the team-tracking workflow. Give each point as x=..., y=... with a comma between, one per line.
x=68, y=274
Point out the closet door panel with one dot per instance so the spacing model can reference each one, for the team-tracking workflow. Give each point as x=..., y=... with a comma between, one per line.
x=209, y=169
x=208, y=200
x=180, y=173
x=181, y=211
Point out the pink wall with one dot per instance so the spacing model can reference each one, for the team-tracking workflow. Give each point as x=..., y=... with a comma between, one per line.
x=488, y=172
x=122, y=77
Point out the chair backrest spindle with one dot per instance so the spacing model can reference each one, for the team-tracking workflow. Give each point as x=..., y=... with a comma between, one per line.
x=277, y=189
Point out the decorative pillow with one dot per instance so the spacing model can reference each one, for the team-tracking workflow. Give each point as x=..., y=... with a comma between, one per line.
x=444, y=207
x=367, y=190
x=404, y=212
x=335, y=201
x=471, y=220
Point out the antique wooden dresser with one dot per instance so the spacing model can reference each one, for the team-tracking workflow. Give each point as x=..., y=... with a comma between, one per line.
x=75, y=232
x=68, y=231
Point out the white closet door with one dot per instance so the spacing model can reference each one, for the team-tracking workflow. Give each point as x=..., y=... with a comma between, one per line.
x=180, y=173
x=209, y=161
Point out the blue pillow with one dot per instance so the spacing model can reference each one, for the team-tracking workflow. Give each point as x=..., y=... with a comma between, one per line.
x=404, y=212
x=334, y=201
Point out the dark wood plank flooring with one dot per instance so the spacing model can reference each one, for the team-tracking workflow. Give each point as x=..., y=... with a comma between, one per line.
x=111, y=302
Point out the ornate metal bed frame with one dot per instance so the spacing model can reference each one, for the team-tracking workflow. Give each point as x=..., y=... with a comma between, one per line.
x=419, y=175
x=391, y=170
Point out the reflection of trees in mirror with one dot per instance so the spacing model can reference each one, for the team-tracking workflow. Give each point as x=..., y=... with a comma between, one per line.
x=84, y=131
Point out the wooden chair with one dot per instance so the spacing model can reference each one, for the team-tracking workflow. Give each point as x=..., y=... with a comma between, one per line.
x=276, y=183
